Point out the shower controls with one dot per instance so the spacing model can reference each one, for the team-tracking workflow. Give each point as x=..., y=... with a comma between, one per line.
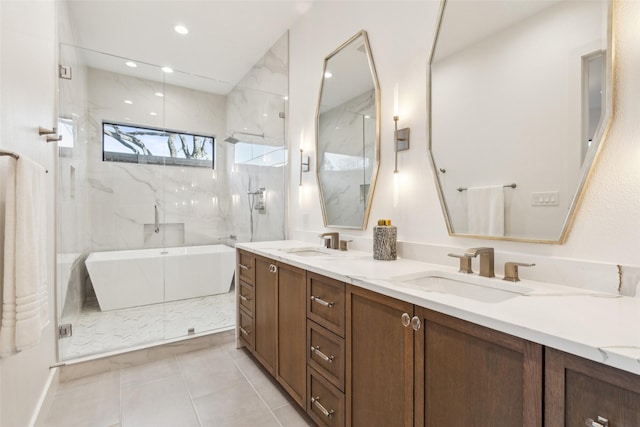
x=259, y=201
x=156, y=216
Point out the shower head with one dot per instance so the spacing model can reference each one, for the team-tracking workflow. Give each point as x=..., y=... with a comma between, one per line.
x=231, y=140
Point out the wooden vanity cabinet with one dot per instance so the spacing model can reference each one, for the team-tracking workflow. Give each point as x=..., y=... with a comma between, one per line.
x=379, y=360
x=326, y=317
x=578, y=389
x=291, y=369
x=245, y=272
x=467, y=374
x=266, y=313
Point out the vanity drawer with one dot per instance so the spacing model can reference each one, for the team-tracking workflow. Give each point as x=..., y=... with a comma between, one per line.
x=245, y=297
x=245, y=329
x=246, y=266
x=326, y=302
x=325, y=403
x=326, y=353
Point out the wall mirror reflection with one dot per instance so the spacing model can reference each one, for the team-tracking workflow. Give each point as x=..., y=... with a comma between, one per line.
x=520, y=98
x=347, y=139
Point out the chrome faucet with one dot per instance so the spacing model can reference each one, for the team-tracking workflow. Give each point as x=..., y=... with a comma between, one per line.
x=331, y=240
x=486, y=260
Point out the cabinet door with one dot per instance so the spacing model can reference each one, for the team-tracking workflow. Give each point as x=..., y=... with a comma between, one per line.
x=471, y=375
x=265, y=315
x=577, y=389
x=379, y=361
x=292, y=329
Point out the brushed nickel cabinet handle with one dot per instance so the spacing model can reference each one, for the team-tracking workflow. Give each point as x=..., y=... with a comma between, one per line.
x=244, y=331
x=244, y=267
x=316, y=402
x=416, y=323
x=243, y=298
x=322, y=302
x=601, y=422
x=406, y=319
x=321, y=355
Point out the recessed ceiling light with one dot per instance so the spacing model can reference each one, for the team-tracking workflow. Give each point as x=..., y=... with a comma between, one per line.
x=127, y=101
x=160, y=94
x=181, y=29
x=328, y=74
x=153, y=113
x=131, y=64
x=167, y=69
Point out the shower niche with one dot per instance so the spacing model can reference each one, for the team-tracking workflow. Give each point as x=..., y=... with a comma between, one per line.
x=168, y=188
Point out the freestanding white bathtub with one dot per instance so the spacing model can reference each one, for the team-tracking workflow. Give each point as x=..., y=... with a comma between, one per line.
x=148, y=276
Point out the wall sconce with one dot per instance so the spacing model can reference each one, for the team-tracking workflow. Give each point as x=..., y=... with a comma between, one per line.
x=400, y=136
x=304, y=164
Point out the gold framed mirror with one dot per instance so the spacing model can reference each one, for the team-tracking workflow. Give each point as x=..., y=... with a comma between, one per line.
x=520, y=101
x=348, y=134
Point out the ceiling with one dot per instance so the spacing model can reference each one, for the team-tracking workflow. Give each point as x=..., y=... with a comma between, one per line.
x=225, y=40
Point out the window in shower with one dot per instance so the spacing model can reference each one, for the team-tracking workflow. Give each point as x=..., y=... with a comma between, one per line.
x=136, y=144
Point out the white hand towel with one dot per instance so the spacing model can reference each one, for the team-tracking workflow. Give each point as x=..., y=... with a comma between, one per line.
x=25, y=307
x=485, y=210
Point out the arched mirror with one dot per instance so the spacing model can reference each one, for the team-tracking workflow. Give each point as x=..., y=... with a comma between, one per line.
x=348, y=134
x=520, y=100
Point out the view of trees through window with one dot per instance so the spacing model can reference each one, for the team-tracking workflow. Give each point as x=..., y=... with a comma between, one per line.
x=135, y=144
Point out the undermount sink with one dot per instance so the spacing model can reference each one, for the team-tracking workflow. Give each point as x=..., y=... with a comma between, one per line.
x=307, y=252
x=482, y=289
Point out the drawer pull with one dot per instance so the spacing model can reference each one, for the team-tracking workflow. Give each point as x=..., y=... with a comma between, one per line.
x=322, y=302
x=243, y=298
x=244, y=267
x=601, y=422
x=316, y=402
x=321, y=355
x=244, y=331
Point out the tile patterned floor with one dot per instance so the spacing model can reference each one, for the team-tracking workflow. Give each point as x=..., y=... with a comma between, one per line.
x=220, y=386
x=96, y=332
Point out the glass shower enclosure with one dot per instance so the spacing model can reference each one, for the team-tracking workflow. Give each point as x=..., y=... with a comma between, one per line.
x=160, y=173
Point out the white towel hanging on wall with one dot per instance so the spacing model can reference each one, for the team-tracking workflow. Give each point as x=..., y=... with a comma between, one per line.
x=25, y=308
x=485, y=210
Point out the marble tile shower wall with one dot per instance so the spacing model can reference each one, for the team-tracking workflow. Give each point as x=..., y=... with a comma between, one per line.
x=191, y=201
x=256, y=105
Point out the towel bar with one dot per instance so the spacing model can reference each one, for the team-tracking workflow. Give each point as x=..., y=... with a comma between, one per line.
x=9, y=153
x=505, y=186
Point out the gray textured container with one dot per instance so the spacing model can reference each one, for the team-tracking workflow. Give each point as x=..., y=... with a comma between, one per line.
x=385, y=238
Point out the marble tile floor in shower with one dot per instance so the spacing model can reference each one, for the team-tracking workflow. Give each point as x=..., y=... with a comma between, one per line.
x=96, y=332
x=219, y=386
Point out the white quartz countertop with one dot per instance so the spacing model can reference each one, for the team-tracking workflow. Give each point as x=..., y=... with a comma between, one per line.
x=594, y=325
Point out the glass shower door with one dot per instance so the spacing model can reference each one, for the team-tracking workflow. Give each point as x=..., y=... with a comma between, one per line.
x=110, y=274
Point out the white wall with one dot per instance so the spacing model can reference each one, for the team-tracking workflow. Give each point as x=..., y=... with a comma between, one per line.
x=606, y=230
x=27, y=100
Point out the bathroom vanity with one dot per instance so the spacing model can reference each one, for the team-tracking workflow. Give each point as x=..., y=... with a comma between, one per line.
x=360, y=342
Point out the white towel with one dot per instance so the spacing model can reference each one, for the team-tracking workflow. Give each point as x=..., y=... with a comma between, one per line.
x=485, y=210
x=25, y=307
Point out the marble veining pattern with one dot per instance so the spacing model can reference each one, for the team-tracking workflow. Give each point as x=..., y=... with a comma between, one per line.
x=96, y=332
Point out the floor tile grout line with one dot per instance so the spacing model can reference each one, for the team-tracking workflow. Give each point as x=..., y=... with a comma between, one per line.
x=257, y=393
x=186, y=384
